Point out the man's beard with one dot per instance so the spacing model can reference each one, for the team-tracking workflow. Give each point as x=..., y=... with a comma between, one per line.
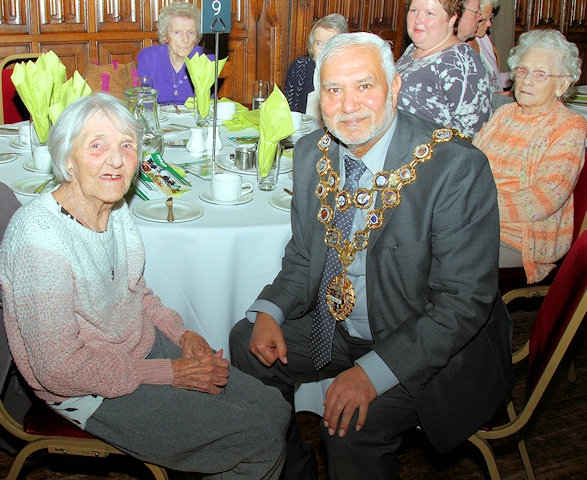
x=376, y=130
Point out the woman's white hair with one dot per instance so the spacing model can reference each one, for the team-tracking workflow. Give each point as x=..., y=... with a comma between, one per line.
x=569, y=62
x=177, y=9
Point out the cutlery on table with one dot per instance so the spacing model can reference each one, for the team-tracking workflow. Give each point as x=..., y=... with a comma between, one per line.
x=286, y=190
x=41, y=187
x=169, y=205
x=177, y=110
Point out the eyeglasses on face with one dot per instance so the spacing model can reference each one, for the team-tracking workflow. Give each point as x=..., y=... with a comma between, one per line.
x=476, y=12
x=538, y=76
x=490, y=17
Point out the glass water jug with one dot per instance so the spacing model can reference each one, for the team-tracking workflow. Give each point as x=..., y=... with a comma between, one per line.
x=142, y=102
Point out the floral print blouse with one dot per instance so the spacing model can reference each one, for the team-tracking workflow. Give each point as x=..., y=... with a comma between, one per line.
x=450, y=87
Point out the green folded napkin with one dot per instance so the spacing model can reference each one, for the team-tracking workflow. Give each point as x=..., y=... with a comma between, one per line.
x=74, y=88
x=275, y=124
x=44, y=91
x=243, y=119
x=38, y=84
x=202, y=74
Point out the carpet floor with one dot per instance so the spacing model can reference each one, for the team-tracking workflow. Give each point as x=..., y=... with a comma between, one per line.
x=556, y=441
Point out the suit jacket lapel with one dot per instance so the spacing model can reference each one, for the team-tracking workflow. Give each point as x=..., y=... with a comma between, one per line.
x=400, y=142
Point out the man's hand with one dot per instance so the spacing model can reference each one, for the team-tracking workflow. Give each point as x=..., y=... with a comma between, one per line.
x=267, y=343
x=194, y=344
x=350, y=390
x=202, y=372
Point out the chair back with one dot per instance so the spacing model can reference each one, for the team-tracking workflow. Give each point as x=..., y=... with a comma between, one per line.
x=12, y=110
x=560, y=314
x=44, y=431
x=580, y=202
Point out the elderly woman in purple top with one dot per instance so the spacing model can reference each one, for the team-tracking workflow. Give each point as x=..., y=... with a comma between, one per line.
x=178, y=34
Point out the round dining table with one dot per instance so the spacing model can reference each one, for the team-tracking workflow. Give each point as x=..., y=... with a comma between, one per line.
x=209, y=269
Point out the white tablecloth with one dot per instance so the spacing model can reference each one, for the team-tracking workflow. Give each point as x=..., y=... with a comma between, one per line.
x=211, y=269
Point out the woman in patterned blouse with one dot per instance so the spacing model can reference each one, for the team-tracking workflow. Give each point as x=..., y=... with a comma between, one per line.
x=443, y=79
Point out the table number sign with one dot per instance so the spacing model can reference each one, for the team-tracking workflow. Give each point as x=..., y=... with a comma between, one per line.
x=216, y=16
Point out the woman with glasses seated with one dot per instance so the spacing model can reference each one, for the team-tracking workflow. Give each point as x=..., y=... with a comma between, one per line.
x=443, y=79
x=536, y=149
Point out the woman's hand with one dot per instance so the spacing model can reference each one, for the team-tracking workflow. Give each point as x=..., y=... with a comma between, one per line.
x=194, y=344
x=202, y=372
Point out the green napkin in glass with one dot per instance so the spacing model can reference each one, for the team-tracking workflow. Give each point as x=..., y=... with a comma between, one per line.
x=74, y=88
x=201, y=71
x=35, y=82
x=275, y=124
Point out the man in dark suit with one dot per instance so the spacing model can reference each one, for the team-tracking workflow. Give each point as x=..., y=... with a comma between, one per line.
x=423, y=337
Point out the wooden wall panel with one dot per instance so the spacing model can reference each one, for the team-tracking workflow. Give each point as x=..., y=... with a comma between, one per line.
x=123, y=52
x=73, y=54
x=13, y=17
x=64, y=16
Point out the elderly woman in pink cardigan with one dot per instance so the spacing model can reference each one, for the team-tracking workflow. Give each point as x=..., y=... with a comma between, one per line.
x=96, y=344
x=536, y=149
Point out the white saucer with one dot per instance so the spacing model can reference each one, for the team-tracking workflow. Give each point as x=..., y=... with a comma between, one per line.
x=6, y=157
x=247, y=197
x=304, y=129
x=285, y=165
x=170, y=109
x=156, y=210
x=15, y=143
x=30, y=166
x=281, y=201
x=307, y=118
x=27, y=186
x=163, y=117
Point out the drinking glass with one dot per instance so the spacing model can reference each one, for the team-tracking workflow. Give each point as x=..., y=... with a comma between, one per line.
x=145, y=81
x=260, y=93
x=269, y=182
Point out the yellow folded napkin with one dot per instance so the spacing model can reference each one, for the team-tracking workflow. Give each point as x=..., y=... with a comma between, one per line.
x=38, y=83
x=242, y=120
x=74, y=88
x=202, y=74
x=275, y=124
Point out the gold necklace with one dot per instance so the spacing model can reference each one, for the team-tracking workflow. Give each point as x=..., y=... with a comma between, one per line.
x=340, y=294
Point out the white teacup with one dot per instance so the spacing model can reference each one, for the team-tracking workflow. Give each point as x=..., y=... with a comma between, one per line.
x=24, y=135
x=42, y=158
x=296, y=118
x=225, y=110
x=228, y=187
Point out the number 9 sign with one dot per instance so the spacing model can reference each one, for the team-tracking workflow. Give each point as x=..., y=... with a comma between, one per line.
x=216, y=16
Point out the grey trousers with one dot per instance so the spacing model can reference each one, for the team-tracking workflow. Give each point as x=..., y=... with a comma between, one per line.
x=369, y=453
x=238, y=434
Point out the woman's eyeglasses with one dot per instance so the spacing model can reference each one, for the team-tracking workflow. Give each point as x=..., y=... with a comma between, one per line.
x=538, y=76
x=490, y=17
x=476, y=12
